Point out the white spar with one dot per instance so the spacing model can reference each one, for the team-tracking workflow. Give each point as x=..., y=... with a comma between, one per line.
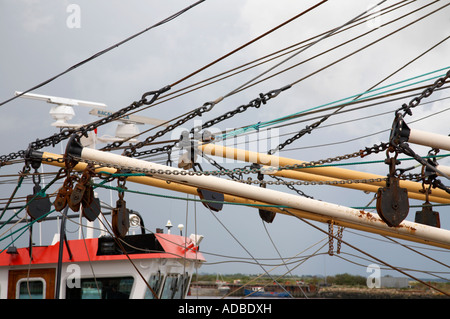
x=429, y=139
x=428, y=234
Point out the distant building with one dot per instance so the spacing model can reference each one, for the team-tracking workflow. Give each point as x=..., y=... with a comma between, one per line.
x=394, y=282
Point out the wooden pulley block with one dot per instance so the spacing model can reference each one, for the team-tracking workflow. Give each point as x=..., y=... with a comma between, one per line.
x=392, y=203
x=77, y=193
x=61, y=199
x=75, y=207
x=120, y=219
x=76, y=196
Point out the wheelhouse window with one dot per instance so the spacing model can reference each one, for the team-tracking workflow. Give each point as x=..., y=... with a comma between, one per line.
x=170, y=287
x=155, y=284
x=30, y=288
x=102, y=288
x=175, y=286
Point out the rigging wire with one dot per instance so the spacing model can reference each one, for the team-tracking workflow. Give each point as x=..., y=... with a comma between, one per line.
x=428, y=272
x=362, y=117
x=221, y=98
x=325, y=36
x=245, y=249
x=298, y=265
x=250, y=42
x=96, y=55
x=323, y=119
x=350, y=54
x=363, y=136
x=328, y=34
x=361, y=19
x=284, y=125
x=358, y=99
x=365, y=253
x=295, y=82
x=279, y=254
x=297, y=53
x=276, y=266
x=340, y=123
x=417, y=252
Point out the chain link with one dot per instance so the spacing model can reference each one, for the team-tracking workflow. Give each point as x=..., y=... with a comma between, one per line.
x=131, y=150
x=239, y=170
x=255, y=170
x=306, y=130
x=262, y=99
x=332, y=236
x=425, y=93
x=256, y=103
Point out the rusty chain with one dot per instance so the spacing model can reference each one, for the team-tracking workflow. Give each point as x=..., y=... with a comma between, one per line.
x=259, y=170
x=406, y=108
x=263, y=98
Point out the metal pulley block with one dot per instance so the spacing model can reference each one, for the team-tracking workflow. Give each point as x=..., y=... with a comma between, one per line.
x=392, y=203
x=88, y=195
x=392, y=200
x=120, y=219
x=38, y=205
x=213, y=200
x=427, y=216
x=266, y=215
x=91, y=212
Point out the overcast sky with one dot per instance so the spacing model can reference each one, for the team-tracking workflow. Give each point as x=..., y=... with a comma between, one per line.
x=43, y=38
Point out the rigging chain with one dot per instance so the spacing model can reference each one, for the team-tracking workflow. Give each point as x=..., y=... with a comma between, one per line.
x=426, y=93
x=256, y=103
x=257, y=170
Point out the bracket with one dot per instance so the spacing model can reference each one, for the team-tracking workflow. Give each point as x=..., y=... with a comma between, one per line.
x=400, y=131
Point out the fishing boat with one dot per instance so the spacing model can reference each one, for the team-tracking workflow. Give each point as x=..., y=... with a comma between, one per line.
x=261, y=292
x=222, y=285
x=142, y=266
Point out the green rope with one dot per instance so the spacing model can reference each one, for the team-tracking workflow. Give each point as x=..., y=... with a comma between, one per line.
x=27, y=225
x=285, y=118
x=19, y=184
x=119, y=189
x=376, y=162
x=41, y=193
x=411, y=206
